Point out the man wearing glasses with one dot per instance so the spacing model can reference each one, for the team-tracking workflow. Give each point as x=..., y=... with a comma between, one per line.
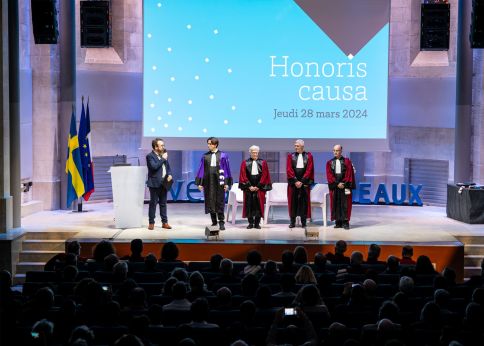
x=341, y=180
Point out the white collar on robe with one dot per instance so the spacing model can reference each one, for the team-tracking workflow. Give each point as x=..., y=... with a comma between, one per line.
x=337, y=168
x=254, y=169
x=300, y=161
x=213, y=161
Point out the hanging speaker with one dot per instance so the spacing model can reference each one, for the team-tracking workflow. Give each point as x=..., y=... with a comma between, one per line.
x=44, y=21
x=95, y=24
x=477, y=24
x=434, y=26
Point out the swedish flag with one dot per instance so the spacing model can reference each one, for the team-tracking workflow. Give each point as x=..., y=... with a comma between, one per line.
x=75, y=184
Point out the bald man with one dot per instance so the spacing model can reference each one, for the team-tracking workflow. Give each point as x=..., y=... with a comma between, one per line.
x=341, y=180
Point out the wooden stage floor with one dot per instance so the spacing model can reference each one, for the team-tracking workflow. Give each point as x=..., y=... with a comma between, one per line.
x=426, y=228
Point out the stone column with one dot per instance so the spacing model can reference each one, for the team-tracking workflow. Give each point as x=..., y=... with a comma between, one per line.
x=46, y=147
x=5, y=197
x=463, y=107
x=478, y=118
x=13, y=30
x=67, y=84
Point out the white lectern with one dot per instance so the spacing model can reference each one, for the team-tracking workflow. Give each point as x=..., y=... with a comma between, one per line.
x=128, y=184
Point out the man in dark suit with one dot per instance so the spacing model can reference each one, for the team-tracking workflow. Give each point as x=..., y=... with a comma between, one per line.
x=159, y=181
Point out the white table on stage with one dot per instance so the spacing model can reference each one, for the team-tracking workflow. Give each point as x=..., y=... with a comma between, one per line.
x=128, y=183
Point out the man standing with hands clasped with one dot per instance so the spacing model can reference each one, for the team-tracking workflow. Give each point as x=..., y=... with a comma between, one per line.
x=159, y=181
x=300, y=177
x=255, y=181
x=341, y=180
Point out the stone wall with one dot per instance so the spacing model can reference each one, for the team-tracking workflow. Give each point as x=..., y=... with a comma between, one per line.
x=426, y=129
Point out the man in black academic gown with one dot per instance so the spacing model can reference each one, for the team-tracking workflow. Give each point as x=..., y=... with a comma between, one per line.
x=255, y=181
x=341, y=180
x=214, y=179
x=300, y=177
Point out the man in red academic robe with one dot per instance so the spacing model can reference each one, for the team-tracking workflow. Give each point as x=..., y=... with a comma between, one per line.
x=300, y=176
x=341, y=180
x=255, y=181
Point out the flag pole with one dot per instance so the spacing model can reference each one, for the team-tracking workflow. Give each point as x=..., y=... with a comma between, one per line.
x=79, y=200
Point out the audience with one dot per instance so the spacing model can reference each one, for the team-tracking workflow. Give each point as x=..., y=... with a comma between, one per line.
x=270, y=274
x=338, y=257
x=254, y=260
x=393, y=265
x=409, y=305
x=150, y=262
x=424, y=266
x=215, y=260
x=136, y=251
x=227, y=276
x=60, y=260
x=319, y=263
x=288, y=283
x=169, y=252
x=198, y=288
x=287, y=262
x=199, y=311
x=374, y=251
x=180, y=302
x=305, y=275
x=407, y=253
x=103, y=249
x=300, y=255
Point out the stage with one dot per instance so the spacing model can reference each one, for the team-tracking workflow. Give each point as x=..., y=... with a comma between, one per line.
x=426, y=228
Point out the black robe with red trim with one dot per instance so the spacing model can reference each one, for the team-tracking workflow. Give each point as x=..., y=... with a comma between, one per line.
x=340, y=202
x=254, y=201
x=299, y=200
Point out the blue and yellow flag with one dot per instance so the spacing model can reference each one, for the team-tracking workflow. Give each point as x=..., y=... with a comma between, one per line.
x=75, y=184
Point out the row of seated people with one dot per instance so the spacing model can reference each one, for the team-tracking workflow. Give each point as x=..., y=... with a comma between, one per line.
x=322, y=303
x=169, y=253
x=105, y=260
x=361, y=314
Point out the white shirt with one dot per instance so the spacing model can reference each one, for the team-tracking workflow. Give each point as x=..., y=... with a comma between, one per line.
x=163, y=168
x=255, y=169
x=300, y=162
x=337, y=169
x=213, y=162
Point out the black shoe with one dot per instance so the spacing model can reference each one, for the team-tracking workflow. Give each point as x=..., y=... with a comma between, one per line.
x=214, y=219
x=257, y=226
x=346, y=225
x=250, y=226
x=338, y=225
x=222, y=225
x=292, y=225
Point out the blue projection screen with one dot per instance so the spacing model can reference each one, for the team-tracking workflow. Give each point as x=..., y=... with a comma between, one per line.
x=266, y=71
